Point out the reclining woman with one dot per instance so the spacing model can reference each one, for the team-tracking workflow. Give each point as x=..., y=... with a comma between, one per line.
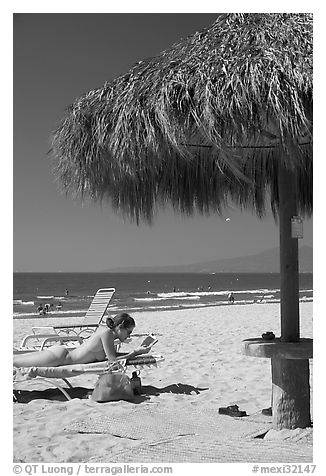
x=98, y=347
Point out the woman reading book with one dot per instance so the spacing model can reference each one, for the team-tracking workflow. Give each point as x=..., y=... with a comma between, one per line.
x=98, y=347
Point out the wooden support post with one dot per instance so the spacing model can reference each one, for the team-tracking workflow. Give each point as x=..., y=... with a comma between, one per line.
x=289, y=267
x=290, y=393
x=290, y=378
x=290, y=369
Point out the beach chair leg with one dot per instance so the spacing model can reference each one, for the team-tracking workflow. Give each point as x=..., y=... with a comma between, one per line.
x=62, y=390
x=67, y=382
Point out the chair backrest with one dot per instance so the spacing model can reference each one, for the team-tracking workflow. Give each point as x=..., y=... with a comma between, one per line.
x=99, y=305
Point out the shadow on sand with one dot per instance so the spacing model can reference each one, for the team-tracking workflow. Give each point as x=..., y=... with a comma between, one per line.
x=26, y=396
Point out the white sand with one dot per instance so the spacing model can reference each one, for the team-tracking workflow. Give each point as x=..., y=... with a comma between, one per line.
x=202, y=351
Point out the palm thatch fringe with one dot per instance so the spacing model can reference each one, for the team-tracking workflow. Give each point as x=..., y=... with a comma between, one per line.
x=200, y=125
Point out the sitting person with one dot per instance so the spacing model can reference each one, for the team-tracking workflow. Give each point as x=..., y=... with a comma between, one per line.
x=98, y=347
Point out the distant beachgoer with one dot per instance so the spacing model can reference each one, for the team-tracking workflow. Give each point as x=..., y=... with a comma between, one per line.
x=174, y=290
x=46, y=307
x=231, y=297
x=40, y=309
x=66, y=292
x=98, y=347
x=209, y=287
x=58, y=306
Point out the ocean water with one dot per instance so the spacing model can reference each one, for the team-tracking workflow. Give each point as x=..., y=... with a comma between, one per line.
x=144, y=291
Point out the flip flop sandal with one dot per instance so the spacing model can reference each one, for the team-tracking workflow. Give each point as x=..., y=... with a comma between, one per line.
x=232, y=410
x=267, y=411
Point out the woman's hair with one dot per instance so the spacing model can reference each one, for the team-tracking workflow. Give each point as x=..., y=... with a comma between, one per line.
x=123, y=318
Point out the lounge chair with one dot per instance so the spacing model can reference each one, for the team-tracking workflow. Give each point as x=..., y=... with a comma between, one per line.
x=43, y=336
x=65, y=372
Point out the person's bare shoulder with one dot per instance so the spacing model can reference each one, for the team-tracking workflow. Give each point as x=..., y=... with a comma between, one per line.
x=97, y=335
x=104, y=332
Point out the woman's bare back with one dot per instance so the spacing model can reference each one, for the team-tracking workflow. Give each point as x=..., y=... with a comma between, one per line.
x=91, y=350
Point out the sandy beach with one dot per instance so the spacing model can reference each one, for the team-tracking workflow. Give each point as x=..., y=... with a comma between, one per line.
x=203, y=370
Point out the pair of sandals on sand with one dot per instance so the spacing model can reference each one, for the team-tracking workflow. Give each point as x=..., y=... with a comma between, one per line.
x=233, y=410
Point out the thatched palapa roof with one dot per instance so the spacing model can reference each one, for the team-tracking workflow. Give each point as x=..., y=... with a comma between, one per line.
x=205, y=123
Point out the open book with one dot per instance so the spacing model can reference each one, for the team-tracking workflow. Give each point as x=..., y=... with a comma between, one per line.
x=149, y=341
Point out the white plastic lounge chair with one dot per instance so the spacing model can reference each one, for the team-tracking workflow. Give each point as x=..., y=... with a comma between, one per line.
x=43, y=336
x=65, y=372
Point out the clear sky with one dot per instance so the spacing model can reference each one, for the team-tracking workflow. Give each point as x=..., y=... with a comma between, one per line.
x=58, y=57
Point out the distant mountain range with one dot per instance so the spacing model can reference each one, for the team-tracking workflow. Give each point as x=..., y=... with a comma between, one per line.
x=264, y=262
